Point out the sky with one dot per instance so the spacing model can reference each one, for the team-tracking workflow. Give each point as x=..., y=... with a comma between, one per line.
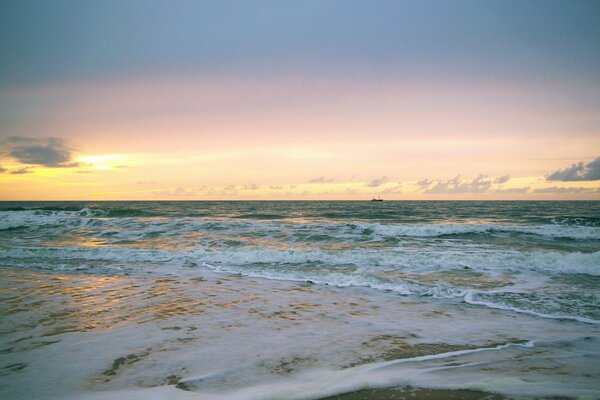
x=151, y=100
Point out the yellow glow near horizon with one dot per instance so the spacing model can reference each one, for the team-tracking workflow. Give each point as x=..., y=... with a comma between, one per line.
x=98, y=159
x=101, y=162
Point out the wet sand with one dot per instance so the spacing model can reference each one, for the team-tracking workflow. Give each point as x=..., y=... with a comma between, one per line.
x=230, y=337
x=415, y=394
x=427, y=394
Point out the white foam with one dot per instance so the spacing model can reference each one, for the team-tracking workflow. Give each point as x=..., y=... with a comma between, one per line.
x=439, y=290
x=431, y=230
x=421, y=372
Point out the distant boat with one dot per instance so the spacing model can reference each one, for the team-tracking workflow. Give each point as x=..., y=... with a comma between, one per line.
x=377, y=199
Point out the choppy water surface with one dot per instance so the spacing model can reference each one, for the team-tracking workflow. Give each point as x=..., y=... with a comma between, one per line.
x=254, y=299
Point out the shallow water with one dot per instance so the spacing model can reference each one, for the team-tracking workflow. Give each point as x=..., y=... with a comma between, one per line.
x=298, y=300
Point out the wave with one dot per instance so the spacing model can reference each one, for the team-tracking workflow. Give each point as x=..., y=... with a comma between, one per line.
x=42, y=217
x=260, y=216
x=445, y=230
x=52, y=216
x=42, y=208
x=69, y=211
x=577, y=221
x=417, y=260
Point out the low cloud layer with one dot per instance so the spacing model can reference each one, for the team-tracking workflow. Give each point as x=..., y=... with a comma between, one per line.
x=578, y=172
x=48, y=152
x=251, y=186
x=513, y=190
x=481, y=184
x=564, y=190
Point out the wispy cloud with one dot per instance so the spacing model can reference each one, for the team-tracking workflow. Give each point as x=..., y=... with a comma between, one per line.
x=502, y=179
x=21, y=171
x=18, y=171
x=424, y=183
x=391, y=190
x=578, y=172
x=229, y=190
x=321, y=179
x=378, y=181
x=177, y=192
x=49, y=152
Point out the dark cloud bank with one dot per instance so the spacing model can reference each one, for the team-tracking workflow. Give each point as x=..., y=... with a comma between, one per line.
x=48, y=152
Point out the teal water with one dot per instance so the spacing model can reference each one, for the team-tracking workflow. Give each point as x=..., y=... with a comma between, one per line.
x=298, y=300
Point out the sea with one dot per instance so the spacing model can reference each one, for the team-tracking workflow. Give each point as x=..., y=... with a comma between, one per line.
x=299, y=299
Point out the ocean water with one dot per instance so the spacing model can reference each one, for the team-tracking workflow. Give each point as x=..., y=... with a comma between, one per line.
x=298, y=300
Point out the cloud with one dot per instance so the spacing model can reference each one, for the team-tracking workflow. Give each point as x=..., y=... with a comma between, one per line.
x=392, y=190
x=502, y=179
x=177, y=192
x=513, y=190
x=229, y=190
x=350, y=191
x=345, y=192
x=424, y=183
x=21, y=171
x=480, y=184
x=251, y=186
x=578, y=172
x=378, y=181
x=50, y=152
x=560, y=190
x=321, y=179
